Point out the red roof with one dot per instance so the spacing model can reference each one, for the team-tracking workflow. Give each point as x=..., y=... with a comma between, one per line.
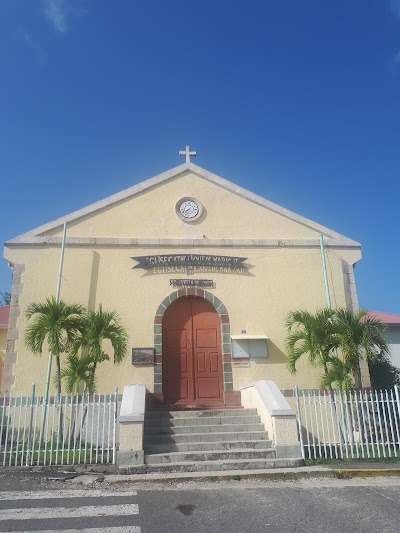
x=387, y=318
x=4, y=315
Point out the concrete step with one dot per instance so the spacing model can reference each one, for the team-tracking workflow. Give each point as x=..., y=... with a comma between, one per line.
x=207, y=446
x=200, y=421
x=221, y=428
x=205, y=437
x=218, y=455
x=162, y=415
x=215, y=466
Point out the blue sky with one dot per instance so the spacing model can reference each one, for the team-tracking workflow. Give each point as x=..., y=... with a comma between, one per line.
x=296, y=101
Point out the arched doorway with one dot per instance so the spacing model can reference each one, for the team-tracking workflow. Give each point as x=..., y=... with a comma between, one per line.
x=192, y=353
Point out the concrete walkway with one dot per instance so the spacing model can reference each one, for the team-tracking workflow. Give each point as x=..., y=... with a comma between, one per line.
x=110, y=474
x=345, y=471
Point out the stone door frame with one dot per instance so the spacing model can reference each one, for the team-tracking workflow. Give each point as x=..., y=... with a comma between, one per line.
x=230, y=397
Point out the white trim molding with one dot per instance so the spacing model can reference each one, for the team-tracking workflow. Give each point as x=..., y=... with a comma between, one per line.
x=180, y=243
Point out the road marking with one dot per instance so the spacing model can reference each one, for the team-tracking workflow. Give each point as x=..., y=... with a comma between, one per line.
x=43, y=513
x=124, y=529
x=53, y=494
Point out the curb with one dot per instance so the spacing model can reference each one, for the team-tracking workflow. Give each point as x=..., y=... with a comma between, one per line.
x=217, y=476
x=283, y=475
x=349, y=473
x=109, y=474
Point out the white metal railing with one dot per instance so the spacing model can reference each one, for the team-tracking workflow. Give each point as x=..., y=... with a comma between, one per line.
x=76, y=429
x=357, y=424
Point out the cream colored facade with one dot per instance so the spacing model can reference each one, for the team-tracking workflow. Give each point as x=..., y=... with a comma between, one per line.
x=281, y=250
x=3, y=345
x=3, y=342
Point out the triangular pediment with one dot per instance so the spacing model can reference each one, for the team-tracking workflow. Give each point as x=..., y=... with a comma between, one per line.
x=147, y=211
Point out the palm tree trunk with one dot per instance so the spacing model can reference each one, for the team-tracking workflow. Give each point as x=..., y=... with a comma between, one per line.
x=78, y=436
x=333, y=404
x=87, y=392
x=60, y=435
x=58, y=360
x=357, y=377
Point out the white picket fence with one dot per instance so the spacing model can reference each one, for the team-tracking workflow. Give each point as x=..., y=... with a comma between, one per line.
x=77, y=429
x=358, y=424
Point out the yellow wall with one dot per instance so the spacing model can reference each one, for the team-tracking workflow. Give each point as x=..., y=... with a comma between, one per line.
x=3, y=344
x=3, y=340
x=281, y=278
x=152, y=215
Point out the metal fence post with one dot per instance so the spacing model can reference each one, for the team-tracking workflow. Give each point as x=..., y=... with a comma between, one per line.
x=397, y=415
x=28, y=447
x=299, y=422
x=115, y=428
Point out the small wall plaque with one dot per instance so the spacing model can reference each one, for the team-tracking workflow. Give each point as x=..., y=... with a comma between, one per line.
x=241, y=363
x=142, y=356
x=205, y=283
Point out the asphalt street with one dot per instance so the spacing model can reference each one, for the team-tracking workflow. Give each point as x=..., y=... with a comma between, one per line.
x=34, y=503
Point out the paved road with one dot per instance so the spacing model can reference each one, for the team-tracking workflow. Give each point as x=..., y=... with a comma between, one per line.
x=320, y=506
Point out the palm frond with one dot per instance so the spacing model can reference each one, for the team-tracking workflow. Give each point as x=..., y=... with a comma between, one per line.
x=360, y=336
x=78, y=372
x=54, y=322
x=100, y=326
x=339, y=374
x=309, y=334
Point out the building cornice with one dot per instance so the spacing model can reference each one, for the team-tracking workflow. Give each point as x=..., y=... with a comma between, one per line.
x=181, y=243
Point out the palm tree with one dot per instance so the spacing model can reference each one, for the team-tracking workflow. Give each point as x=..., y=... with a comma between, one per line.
x=312, y=335
x=58, y=323
x=97, y=327
x=79, y=370
x=338, y=373
x=359, y=337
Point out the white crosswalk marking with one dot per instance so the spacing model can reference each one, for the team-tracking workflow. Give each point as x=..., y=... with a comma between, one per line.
x=126, y=529
x=19, y=515
x=41, y=513
x=49, y=495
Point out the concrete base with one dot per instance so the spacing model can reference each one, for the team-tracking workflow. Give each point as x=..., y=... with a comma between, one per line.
x=293, y=450
x=130, y=458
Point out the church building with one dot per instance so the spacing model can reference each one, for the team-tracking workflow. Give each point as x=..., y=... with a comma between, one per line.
x=202, y=273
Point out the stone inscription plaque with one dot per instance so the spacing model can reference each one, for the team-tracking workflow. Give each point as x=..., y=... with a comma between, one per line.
x=142, y=356
x=205, y=283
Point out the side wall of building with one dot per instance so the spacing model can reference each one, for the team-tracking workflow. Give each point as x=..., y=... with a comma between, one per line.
x=3, y=345
x=393, y=335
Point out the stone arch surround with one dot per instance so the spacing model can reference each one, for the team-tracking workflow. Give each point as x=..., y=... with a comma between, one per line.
x=231, y=397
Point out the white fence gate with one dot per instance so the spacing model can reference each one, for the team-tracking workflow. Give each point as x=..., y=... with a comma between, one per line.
x=77, y=429
x=334, y=424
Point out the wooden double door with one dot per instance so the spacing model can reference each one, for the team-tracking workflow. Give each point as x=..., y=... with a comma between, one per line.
x=192, y=356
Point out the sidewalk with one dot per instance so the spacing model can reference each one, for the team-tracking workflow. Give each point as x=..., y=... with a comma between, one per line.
x=110, y=474
x=345, y=471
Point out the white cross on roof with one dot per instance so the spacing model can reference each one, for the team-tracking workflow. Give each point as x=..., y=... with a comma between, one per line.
x=187, y=153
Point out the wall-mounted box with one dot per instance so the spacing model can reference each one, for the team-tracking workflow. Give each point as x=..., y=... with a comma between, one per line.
x=249, y=346
x=142, y=356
